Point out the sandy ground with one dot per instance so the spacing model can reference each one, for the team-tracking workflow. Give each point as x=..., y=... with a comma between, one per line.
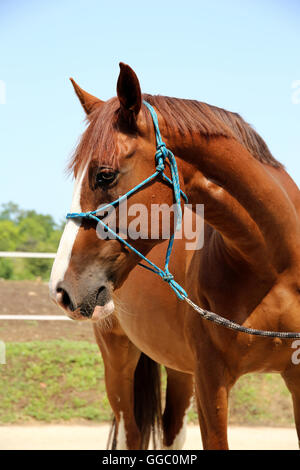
x=72, y=437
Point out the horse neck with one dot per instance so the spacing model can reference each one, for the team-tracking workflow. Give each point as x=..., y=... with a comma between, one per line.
x=242, y=201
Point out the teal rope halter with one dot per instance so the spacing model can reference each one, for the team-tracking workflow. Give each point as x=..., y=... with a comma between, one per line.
x=162, y=155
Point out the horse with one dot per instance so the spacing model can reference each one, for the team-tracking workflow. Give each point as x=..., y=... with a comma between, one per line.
x=133, y=382
x=247, y=271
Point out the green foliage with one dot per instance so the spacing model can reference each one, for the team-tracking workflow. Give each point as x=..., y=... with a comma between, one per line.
x=26, y=230
x=6, y=268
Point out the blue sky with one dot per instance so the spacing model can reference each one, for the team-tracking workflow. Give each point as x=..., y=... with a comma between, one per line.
x=240, y=55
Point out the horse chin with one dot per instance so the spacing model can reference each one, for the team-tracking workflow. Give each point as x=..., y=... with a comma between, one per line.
x=76, y=315
x=103, y=311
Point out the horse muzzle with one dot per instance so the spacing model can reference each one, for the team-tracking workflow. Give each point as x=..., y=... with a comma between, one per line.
x=95, y=305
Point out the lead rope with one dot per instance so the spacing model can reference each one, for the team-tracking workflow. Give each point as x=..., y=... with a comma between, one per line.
x=215, y=318
x=162, y=154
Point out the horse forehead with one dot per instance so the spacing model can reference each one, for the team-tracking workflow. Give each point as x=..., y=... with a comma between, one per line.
x=125, y=144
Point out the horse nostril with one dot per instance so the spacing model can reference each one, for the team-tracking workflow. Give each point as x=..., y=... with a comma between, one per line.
x=102, y=296
x=63, y=298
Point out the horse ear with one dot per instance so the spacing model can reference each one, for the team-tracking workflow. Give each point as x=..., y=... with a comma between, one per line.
x=89, y=102
x=129, y=90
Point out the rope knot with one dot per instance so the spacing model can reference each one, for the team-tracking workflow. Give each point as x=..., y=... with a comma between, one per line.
x=160, y=167
x=77, y=215
x=161, y=148
x=160, y=156
x=168, y=277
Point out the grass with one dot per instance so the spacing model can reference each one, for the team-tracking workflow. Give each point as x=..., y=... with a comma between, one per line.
x=261, y=399
x=53, y=381
x=60, y=380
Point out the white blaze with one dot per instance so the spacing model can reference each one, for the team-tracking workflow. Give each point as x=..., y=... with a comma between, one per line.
x=68, y=238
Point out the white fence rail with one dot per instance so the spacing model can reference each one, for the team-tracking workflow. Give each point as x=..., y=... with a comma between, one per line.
x=34, y=317
x=27, y=254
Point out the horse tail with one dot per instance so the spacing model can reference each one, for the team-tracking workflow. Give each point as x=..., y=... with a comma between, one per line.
x=147, y=400
x=147, y=403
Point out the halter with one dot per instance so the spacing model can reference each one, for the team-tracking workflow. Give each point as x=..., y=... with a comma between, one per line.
x=162, y=155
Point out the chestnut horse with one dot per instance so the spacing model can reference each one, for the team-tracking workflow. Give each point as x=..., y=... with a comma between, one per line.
x=247, y=271
x=132, y=378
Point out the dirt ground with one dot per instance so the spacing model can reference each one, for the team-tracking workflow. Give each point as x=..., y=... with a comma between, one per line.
x=32, y=298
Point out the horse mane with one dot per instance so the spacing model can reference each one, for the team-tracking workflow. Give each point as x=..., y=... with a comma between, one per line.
x=191, y=116
x=182, y=115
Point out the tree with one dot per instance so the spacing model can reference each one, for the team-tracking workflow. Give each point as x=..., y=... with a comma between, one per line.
x=26, y=230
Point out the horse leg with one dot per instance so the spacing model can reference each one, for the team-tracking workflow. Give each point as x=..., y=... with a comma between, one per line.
x=292, y=380
x=212, y=388
x=179, y=395
x=120, y=358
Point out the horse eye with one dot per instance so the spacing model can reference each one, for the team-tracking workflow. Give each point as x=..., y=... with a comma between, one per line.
x=105, y=177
